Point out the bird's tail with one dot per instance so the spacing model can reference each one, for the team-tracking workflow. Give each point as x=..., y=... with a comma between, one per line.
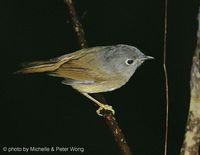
x=38, y=67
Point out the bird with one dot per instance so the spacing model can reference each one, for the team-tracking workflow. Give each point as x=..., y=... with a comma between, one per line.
x=92, y=70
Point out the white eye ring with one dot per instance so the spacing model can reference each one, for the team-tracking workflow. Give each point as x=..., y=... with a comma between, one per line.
x=129, y=61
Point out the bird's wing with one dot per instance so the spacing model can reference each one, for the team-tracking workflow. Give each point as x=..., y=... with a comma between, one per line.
x=82, y=66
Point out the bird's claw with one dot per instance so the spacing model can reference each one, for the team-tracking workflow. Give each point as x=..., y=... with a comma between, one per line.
x=105, y=107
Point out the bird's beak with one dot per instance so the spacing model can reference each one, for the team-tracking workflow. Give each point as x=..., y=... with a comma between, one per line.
x=144, y=57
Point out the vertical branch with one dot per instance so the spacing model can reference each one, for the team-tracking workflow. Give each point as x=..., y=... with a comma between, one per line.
x=166, y=78
x=109, y=117
x=76, y=24
x=191, y=142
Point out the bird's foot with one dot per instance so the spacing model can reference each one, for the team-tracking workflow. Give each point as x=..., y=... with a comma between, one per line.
x=105, y=107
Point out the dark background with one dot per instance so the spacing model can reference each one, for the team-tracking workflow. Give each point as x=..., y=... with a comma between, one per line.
x=36, y=110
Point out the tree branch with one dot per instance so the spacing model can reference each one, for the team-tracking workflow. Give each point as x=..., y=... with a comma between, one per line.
x=109, y=117
x=192, y=136
x=76, y=24
x=166, y=77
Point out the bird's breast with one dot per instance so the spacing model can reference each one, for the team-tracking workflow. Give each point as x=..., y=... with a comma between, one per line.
x=98, y=87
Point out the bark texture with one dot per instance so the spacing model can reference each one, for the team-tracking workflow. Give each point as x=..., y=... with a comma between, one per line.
x=192, y=136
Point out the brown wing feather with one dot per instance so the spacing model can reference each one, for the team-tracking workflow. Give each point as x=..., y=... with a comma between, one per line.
x=79, y=65
x=84, y=67
x=52, y=64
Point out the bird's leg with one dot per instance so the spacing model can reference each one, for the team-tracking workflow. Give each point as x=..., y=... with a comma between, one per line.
x=101, y=105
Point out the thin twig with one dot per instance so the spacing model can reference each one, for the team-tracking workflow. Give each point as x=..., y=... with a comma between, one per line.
x=109, y=117
x=166, y=78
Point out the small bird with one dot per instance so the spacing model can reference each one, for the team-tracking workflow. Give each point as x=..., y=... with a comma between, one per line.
x=93, y=70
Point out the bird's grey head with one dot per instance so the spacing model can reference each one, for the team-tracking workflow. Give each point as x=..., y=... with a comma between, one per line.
x=123, y=59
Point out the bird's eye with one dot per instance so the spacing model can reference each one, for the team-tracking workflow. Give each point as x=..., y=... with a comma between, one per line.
x=129, y=61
